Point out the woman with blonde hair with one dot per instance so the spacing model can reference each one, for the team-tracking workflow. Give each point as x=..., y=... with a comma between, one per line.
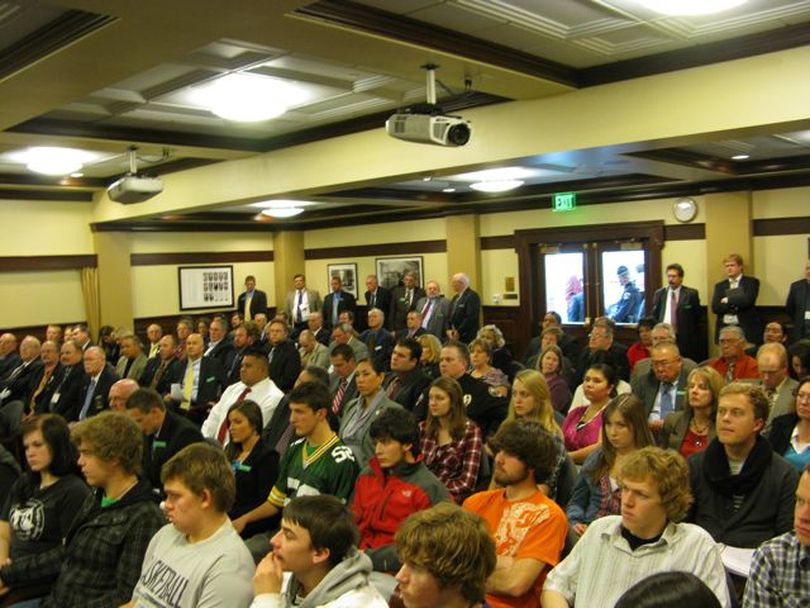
x=431, y=350
x=690, y=430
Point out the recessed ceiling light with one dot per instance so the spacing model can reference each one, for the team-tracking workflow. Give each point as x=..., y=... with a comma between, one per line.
x=427, y=178
x=503, y=173
x=448, y=189
x=248, y=97
x=690, y=7
x=281, y=203
x=283, y=212
x=497, y=185
x=741, y=157
x=77, y=174
x=49, y=160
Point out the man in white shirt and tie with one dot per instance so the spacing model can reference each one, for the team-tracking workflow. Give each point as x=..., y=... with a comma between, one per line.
x=663, y=388
x=679, y=306
x=435, y=310
x=300, y=302
x=404, y=299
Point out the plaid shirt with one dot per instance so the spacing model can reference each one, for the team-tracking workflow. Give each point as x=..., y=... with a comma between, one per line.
x=104, y=551
x=780, y=574
x=455, y=464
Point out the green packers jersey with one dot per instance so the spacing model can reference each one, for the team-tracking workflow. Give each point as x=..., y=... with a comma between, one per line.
x=329, y=468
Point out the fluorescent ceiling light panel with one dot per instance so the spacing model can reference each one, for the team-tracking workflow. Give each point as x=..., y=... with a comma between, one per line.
x=248, y=97
x=283, y=211
x=690, y=7
x=281, y=204
x=497, y=185
x=50, y=160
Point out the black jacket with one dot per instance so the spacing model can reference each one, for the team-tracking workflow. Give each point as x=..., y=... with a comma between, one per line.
x=409, y=390
x=285, y=364
x=68, y=392
x=687, y=319
x=175, y=434
x=258, y=304
x=741, y=302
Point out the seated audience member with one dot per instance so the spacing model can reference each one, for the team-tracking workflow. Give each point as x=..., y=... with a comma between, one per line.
x=406, y=381
x=120, y=391
x=597, y=493
x=9, y=359
x=790, y=433
x=378, y=340
x=285, y=362
x=531, y=401
x=245, y=338
x=46, y=380
x=107, y=342
x=431, y=352
x=164, y=433
x=9, y=471
x=278, y=433
x=622, y=387
x=66, y=394
x=343, y=333
x=317, y=545
x=482, y=368
x=500, y=357
x=568, y=344
x=316, y=326
x=219, y=346
x=343, y=383
x=359, y=413
x=316, y=463
x=237, y=319
x=413, y=326
x=153, y=333
x=799, y=355
x=53, y=333
x=617, y=551
x=550, y=363
x=600, y=339
x=105, y=546
x=254, y=463
x=779, y=576
x=641, y=349
x=311, y=351
x=529, y=528
x=450, y=442
x=662, y=332
x=447, y=557
x=691, y=429
x=583, y=425
x=183, y=329
x=94, y=396
x=254, y=385
x=201, y=326
x=260, y=319
x=662, y=390
x=772, y=366
x=160, y=369
x=18, y=385
x=669, y=590
x=775, y=332
x=132, y=362
x=483, y=405
x=39, y=509
x=393, y=485
x=733, y=364
x=199, y=381
x=744, y=492
x=197, y=559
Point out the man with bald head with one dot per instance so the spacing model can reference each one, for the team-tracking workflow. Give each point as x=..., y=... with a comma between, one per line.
x=9, y=359
x=772, y=367
x=154, y=333
x=378, y=340
x=94, y=397
x=120, y=392
x=159, y=370
x=17, y=386
x=465, y=310
x=315, y=325
x=197, y=381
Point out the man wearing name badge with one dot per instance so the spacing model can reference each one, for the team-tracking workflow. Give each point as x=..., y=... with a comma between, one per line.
x=66, y=395
x=679, y=306
x=255, y=384
x=100, y=377
x=154, y=333
x=378, y=340
x=465, y=309
x=336, y=302
x=378, y=296
x=663, y=390
x=196, y=382
x=165, y=433
x=160, y=369
x=780, y=570
x=18, y=385
x=434, y=309
x=413, y=326
x=300, y=303
x=798, y=305
x=252, y=301
x=404, y=299
x=734, y=300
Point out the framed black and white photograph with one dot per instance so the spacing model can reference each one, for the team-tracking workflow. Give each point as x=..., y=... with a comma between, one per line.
x=390, y=270
x=347, y=274
x=206, y=287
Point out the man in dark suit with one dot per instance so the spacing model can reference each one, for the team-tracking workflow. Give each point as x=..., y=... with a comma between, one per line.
x=285, y=362
x=406, y=381
x=434, y=310
x=165, y=433
x=336, y=302
x=9, y=359
x=251, y=301
x=465, y=310
x=65, y=397
x=47, y=379
x=679, y=306
x=18, y=385
x=798, y=305
x=342, y=384
x=378, y=340
x=244, y=337
x=160, y=369
x=735, y=298
x=413, y=325
x=300, y=303
x=196, y=382
x=100, y=376
x=378, y=297
x=663, y=389
x=220, y=346
x=600, y=339
x=403, y=300
x=315, y=325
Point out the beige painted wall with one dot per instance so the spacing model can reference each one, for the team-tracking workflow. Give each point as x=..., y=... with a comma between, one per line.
x=38, y=298
x=179, y=242
x=389, y=232
x=780, y=261
x=45, y=228
x=786, y=202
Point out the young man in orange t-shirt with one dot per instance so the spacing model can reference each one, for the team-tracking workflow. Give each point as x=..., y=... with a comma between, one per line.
x=529, y=528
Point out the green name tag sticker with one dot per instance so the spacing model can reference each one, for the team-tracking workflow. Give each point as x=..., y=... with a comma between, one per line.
x=158, y=444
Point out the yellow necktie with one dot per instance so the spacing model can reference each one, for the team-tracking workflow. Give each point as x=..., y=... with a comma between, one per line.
x=188, y=387
x=247, y=307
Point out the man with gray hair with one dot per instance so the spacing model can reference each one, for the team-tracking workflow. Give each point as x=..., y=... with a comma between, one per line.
x=9, y=359
x=120, y=391
x=661, y=332
x=343, y=333
x=663, y=389
x=434, y=310
x=733, y=363
x=132, y=362
x=378, y=340
x=465, y=310
x=94, y=396
x=772, y=366
x=403, y=299
x=18, y=385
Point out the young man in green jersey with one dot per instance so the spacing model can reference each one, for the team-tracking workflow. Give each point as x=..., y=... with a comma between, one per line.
x=316, y=463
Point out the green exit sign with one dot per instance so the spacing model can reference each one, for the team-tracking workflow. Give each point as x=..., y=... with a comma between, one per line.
x=564, y=201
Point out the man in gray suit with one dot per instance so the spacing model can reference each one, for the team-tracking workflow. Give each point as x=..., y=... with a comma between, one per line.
x=312, y=352
x=299, y=303
x=344, y=334
x=435, y=310
x=772, y=363
x=133, y=361
x=663, y=388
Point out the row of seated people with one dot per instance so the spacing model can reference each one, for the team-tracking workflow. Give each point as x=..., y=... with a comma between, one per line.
x=446, y=407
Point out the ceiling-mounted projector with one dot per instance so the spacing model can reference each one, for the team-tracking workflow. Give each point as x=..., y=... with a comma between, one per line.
x=426, y=123
x=134, y=188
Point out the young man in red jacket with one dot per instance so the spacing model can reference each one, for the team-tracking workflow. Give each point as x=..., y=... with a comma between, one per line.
x=395, y=484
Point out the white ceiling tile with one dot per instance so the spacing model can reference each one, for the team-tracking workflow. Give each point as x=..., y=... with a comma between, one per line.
x=400, y=7
x=457, y=18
